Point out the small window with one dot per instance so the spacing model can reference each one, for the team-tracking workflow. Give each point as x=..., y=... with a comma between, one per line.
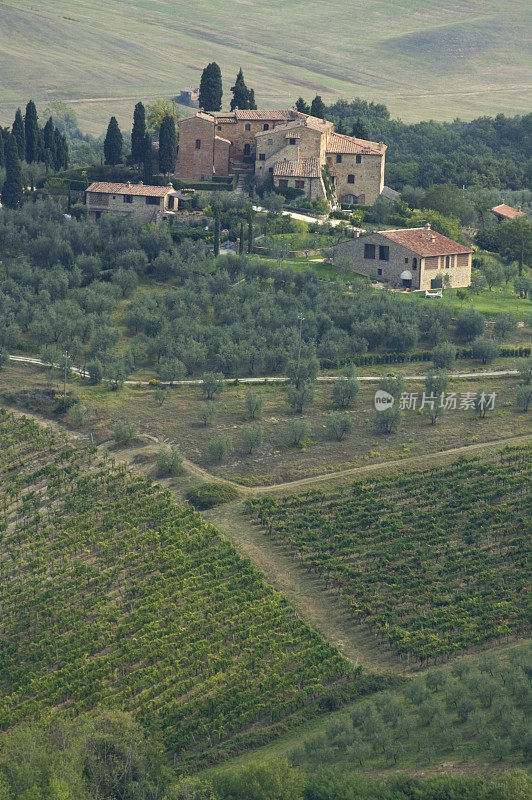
x=128, y=198
x=198, y=144
x=406, y=260
x=338, y=159
x=262, y=156
x=270, y=169
x=447, y=261
x=219, y=127
x=414, y=263
x=379, y=271
x=369, y=251
x=359, y=159
x=266, y=127
x=283, y=184
x=300, y=184
x=384, y=252
x=153, y=201
x=247, y=149
x=350, y=178
x=292, y=141
x=248, y=126
x=270, y=141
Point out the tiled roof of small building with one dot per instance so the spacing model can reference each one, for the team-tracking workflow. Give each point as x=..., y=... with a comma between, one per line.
x=304, y=168
x=425, y=242
x=507, y=211
x=338, y=143
x=138, y=189
x=300, y=121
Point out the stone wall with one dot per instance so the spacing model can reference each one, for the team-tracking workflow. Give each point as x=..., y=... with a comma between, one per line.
x=369, y=176
x=195, y=163
x=137, y=208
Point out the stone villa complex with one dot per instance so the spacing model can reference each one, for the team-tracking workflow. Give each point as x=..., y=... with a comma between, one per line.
x=297, y=150
x=413, y=258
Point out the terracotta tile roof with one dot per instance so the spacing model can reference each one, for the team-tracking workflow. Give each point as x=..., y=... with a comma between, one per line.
x=507, y=211
x=137, y=189
x=338, y=143
x=304, y=168
x=425, y=242
x=301, y=121
x=286, y=113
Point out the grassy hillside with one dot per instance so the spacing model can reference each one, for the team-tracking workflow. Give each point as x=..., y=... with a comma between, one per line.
x=432, y=560
x=114, y=597
x=439, y=59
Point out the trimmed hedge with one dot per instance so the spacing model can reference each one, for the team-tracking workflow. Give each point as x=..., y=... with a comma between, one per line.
x=374, y=359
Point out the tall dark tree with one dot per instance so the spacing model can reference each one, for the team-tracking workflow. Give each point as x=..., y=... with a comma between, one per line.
x=241, y=93
x=32, y=133
x=360, y=129
x=18, y=133
x=211, y=91
x=241, y=249
x=138, y=133
x=317, y=109
x=112, y=146
x=60, y=150
x=250, y=230
x=2, y=153
x=216, y=230
x=167, y=145
x=49, y=143
x=252, y=101
x=148, y=159
x=12, y=188
x=301, y=106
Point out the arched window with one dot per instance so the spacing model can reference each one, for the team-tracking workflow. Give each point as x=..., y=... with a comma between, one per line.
x=266, y=127
x=248, y=126
x=414, y=263
x=247, y=149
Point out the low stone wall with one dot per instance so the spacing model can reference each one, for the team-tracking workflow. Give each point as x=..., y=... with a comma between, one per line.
x=264, y=251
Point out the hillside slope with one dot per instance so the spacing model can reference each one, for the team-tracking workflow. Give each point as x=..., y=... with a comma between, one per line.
x=112, y=596
x=423, y=58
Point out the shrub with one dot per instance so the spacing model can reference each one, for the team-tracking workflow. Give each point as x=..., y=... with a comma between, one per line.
x=95, y=370
x=504, y=325
x=77, y=415
x=252, y=437
x=485, y=349
x=254, y=404
x=300, y=397
x=212, y=384
x=207, y=412
x=444, y=355
x=4, y=358
x=123, y=431
x=469, y=324
x=208, y=495
x=338, y=425
x=435, y=386
x=298, y=431
x=169, y=461
x=526, y=371
x=161, y=394
x=523, y=396
x=388, y=421
x=345, y=392
x=220, y=447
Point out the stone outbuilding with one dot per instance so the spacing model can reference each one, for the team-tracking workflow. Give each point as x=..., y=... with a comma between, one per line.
x=503, y=212
x=409, y=258
x=146, y=203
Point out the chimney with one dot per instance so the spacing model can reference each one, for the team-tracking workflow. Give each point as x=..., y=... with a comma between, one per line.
x=141, y=183
x=427, y=226
x=128, y=184
x=519, y=208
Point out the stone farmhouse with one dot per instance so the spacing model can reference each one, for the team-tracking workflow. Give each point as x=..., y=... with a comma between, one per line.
x=292, y=147
x=145, y=203
x=412, y=258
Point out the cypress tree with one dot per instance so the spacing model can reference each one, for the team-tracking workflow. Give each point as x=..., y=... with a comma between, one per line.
x=241, y=242
x=138, y=133
x=18, y=133
x=49, y=143
x=317, y=109
x=2, y=156
x=250, y=230
x=12, y=189
x=211, y=90
x=252, y=103
x=60, y=150
x=31, y=131
x=167, y=145
x=147, y=159
x=301, y=106
x=241, y=93
x=216, y=231
x=112, y=146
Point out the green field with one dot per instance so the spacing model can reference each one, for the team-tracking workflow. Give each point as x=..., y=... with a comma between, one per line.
x=432, y=560
x=114, y=597
x=423, y=59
